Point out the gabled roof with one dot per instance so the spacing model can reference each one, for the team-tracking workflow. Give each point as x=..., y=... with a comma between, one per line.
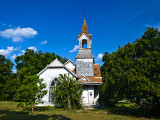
x=70, y=61
x=84, y=79
x=84, y=29
x=55, y=63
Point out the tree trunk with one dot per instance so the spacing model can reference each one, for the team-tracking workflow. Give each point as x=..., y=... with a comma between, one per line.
x=69, y=102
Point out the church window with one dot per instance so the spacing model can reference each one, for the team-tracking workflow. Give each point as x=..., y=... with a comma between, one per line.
x=51, y=99
x=90, y=93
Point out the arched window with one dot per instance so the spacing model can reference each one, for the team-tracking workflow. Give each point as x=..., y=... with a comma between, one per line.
x=52, y=85
x=84, y=43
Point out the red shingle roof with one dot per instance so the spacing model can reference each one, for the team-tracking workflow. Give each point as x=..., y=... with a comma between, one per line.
x=84, y=29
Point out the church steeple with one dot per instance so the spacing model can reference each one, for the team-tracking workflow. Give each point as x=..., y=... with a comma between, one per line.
x=84, y=57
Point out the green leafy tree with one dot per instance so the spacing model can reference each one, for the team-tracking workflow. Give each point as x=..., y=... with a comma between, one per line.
x=31, y=91
x=10, y=87
x=5, y=76
x=133, y=73
x=67, y=92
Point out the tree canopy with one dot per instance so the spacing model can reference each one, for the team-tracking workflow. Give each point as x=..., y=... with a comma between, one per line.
x=31, y=91
x=5, y=76
x=133, y=72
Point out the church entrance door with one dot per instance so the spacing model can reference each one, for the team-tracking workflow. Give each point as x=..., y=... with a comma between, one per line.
x=91, y=95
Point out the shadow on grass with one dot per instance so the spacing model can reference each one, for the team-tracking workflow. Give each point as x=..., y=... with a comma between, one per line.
x=22, y=115
x=122, y=110
x=128, y=111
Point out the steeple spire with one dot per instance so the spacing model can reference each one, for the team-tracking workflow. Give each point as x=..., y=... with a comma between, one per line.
x=85, y=29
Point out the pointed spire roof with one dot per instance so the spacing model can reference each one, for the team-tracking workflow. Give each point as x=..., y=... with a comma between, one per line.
x=85, y=29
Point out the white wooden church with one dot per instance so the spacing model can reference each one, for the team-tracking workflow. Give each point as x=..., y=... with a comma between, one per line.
x=84, y=71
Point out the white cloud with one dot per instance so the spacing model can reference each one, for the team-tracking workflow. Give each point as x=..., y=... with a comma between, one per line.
x=32, y=48
x=76, y=47
x=99, y=57
x=13, y=56
x=18, y=34
x=43, y=42
x=7, y=52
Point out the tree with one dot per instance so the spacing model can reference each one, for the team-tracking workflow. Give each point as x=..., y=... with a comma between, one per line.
x=67, y=92
x=31, y=91
x=133, y=73
x=5, y=76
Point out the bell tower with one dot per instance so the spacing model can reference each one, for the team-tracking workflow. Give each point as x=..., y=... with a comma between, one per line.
x=84, y=57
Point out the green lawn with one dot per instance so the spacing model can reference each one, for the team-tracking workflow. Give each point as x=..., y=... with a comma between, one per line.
x=9, y=111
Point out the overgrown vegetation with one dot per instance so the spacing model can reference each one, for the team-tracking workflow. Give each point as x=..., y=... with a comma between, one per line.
x=24, y=86
x=133, y=73
x=67, y=92
x=30, y=92
x=5, y=75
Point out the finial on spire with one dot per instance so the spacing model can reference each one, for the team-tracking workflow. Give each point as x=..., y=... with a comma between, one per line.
x=84, y=13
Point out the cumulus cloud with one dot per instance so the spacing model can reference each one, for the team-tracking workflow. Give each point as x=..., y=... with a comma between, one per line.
x=13, y=56
x=74, y=49
x=18, y=34
x=99, y=57
x=43, y=42
x=7, y=52
x=32, y=48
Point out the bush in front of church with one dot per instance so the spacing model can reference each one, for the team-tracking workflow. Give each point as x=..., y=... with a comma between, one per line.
x=67, y=92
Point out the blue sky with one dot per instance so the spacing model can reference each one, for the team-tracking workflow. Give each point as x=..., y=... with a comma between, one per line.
x=54, y=25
